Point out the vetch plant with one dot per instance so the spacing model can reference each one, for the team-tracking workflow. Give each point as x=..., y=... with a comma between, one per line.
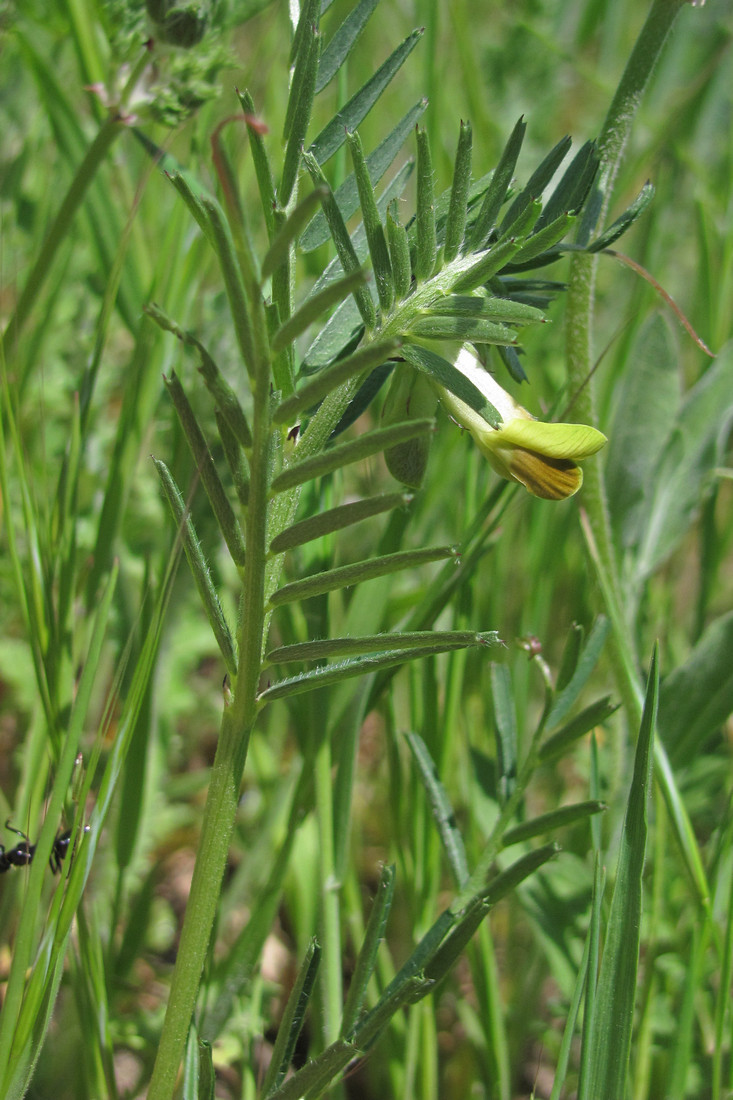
x=455, y=272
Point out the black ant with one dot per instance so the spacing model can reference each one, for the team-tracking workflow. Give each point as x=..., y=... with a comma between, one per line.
x=22, y=854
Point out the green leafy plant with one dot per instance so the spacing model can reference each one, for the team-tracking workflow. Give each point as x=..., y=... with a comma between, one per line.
x=314, y=637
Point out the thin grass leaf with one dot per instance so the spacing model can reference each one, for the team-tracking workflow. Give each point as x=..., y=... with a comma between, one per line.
x=227, y=522
x=441, y=809
x=367, y=957
x=362, y=361
x=426, y=243
x=342, y=240
x=455, y=225
x=293, y=1019
x=86, y=159
x=323, y=648
x=568, y=1035
x=373, y=227
x=446, y=375
x=236, y=967
x=553, y=819
x=23, y=1009
x=497, y=190
x=377, y=162
x=570, y=656
x=343, y=454
x=505, y=720
x=593, y=942
x=343, y=41
x=314, y=306
x=368, y=663
x=199, y=568
x=345, y=576
x=565, y=699
x=332, y=137
x=336, y=519
x=616, y=994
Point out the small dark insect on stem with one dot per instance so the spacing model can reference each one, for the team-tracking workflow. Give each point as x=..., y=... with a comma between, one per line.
x=22, y=854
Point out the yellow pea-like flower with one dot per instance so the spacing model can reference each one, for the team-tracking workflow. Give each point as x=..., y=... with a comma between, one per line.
x=542, y=457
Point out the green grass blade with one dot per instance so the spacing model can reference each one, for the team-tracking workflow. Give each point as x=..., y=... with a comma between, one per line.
x=441, y=809
x=614, y=1010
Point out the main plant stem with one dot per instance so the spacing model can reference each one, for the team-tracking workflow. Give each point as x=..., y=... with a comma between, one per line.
x=226, y=775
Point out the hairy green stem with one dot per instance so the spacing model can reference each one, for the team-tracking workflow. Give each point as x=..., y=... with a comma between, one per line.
x=579, y=343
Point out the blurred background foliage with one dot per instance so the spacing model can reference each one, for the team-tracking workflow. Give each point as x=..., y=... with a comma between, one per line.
x=557, y=65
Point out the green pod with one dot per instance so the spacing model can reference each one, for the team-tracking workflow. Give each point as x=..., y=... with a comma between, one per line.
x=410, y=396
